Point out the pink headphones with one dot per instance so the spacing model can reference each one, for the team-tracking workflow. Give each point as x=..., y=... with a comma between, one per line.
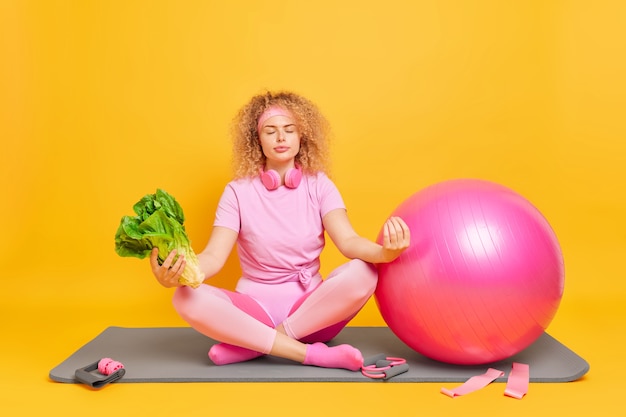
x=271, y=178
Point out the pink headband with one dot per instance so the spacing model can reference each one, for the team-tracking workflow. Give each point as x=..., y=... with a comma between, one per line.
x=271, y=112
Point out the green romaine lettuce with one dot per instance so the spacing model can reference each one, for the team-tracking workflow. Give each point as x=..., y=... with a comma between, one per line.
x=158, y=223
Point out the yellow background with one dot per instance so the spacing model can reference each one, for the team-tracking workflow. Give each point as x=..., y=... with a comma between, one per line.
x=102, y=102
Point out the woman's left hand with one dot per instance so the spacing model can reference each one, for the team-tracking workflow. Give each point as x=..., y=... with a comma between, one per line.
x=396, y=238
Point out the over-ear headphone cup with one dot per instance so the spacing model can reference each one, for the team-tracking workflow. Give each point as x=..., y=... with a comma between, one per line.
x=293, y=178
x=270, y=179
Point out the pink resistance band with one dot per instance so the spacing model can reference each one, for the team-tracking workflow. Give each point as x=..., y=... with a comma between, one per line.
x=474, y=383
x=271, y=112
x=516, y=387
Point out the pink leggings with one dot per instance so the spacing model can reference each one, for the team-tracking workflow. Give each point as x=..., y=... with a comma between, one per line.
x=311, y=316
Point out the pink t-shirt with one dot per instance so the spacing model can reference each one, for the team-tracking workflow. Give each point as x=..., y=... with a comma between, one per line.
x=281, y=234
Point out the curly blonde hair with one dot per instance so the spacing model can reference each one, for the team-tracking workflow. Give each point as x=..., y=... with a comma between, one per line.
x=314, y=130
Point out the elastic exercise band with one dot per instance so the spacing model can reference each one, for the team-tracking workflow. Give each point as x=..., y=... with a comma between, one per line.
x=517, y=385
x=383, y=367
x=474, y=383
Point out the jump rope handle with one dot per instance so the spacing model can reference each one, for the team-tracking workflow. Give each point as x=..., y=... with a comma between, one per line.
x=101, y=373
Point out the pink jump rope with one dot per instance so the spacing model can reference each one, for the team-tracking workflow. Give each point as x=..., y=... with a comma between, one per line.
x=101, y=373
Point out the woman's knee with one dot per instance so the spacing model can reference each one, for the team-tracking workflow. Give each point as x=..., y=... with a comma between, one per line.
x=362, y=278
x=192, y=304
x=183, y=301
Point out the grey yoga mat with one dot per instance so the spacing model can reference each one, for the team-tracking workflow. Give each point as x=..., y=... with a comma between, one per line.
x=179, y=354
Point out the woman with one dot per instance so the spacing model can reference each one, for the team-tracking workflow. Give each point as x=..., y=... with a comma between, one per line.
x=276, y=210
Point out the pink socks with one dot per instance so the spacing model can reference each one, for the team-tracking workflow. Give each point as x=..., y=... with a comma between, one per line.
x=317, y=354
x=223, y=354
x=342, y=356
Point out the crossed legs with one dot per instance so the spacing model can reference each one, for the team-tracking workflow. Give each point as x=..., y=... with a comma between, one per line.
x=247, y=331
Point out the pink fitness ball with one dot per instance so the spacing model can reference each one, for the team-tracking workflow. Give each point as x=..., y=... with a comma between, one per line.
x=482, y=278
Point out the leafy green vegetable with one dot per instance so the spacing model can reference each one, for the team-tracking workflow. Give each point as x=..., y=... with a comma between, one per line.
x=158, y=224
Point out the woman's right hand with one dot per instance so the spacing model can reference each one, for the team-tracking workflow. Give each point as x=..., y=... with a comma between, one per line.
x=169, y=272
